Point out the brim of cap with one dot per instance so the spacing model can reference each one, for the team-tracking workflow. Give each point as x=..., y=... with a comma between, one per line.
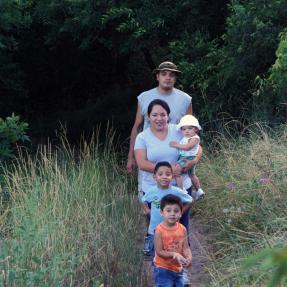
x=167, y=69
x=179, y=126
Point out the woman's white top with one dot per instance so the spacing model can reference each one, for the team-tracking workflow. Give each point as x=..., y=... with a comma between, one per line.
x=159, y=150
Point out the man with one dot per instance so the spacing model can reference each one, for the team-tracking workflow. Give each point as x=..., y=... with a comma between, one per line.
x=178, y=101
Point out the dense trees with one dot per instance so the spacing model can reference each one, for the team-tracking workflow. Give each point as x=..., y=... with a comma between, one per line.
x=75, y=60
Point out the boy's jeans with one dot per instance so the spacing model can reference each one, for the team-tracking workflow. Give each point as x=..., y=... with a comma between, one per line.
x=167, y=278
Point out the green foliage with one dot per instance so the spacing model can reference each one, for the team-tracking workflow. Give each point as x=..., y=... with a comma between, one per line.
x=223, y=71
x=12, y=130
x=270, y=96
x=274, y=262
x=61, y=56
x=12, y=23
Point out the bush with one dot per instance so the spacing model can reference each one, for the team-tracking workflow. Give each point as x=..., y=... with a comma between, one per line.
x=12, y=130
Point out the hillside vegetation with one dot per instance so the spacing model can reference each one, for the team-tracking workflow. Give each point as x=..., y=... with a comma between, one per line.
x=245, y=210
x=71, y=218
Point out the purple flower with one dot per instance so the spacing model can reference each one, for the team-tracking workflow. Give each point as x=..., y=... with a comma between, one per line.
x=231, y=185
x=264, y=179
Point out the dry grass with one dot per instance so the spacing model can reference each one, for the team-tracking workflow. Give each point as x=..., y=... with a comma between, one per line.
x=245, y=210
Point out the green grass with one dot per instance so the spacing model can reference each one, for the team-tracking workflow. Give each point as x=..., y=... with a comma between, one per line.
x=70, y=220
x=245, y=209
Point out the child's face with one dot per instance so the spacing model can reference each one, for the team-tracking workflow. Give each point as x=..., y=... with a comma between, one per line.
x=163, y=176
x=171, y=213
x=188, y=131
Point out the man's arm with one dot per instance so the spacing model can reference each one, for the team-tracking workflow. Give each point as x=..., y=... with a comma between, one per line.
x=189, y=110
x=131, y=164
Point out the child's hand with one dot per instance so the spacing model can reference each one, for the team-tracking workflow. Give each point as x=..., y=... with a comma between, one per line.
x=173, y=144
x=187, y=262
x=176, y=169
x=147, y=212
x=179, y=258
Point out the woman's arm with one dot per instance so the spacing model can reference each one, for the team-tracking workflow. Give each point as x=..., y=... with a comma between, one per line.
x=142, y=161
x=191, y=163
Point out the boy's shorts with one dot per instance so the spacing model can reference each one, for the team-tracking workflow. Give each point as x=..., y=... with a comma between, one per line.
x=182, y=163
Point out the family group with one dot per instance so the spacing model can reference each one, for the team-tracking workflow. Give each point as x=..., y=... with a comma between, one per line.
x=166, y=152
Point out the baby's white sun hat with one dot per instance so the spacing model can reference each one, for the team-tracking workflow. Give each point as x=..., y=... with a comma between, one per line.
x=188, y=120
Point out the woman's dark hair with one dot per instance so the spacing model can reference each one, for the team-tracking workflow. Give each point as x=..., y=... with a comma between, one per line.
x=158, y=102
x=170, y=199
x=161, y=163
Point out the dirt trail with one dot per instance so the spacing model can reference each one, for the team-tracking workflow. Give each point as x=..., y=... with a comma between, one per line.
x=199, y=249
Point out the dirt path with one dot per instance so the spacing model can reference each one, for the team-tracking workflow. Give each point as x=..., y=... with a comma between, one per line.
x=199, y=249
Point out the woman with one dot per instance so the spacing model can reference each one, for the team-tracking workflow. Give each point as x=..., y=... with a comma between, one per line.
x=152, y=146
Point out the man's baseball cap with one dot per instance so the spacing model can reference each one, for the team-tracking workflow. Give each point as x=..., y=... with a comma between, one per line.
x=167, y=66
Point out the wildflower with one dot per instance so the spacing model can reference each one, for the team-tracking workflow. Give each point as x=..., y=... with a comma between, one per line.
x=264, y=179
x=231, y=185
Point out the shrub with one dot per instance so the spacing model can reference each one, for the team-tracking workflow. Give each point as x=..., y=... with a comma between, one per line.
x=12, y=130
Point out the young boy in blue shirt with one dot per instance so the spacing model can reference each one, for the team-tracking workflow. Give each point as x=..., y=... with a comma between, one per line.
x=163, y=176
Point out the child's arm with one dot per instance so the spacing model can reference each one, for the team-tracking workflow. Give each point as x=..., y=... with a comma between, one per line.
x=186, y=207
x=164, y=253
x=191, y=143
x=146, y=209
x=187, y=252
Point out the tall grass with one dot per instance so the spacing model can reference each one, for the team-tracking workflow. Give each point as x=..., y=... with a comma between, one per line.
x=245, y=209
x=71, y=219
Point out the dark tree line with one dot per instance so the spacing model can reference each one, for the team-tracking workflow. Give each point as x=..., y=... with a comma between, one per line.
x=84, y=62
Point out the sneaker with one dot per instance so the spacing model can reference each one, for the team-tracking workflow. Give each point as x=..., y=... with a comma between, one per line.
x=186, y=280
x=146, y=251
x=199, y=194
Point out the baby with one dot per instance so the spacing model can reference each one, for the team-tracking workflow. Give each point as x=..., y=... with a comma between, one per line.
x=188, y=148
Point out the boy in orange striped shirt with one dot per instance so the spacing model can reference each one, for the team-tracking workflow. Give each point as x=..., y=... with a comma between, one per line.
x=172, y=251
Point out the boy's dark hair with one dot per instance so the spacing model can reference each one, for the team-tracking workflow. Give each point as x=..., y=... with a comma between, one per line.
x=170, y=199
x=161, y=163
